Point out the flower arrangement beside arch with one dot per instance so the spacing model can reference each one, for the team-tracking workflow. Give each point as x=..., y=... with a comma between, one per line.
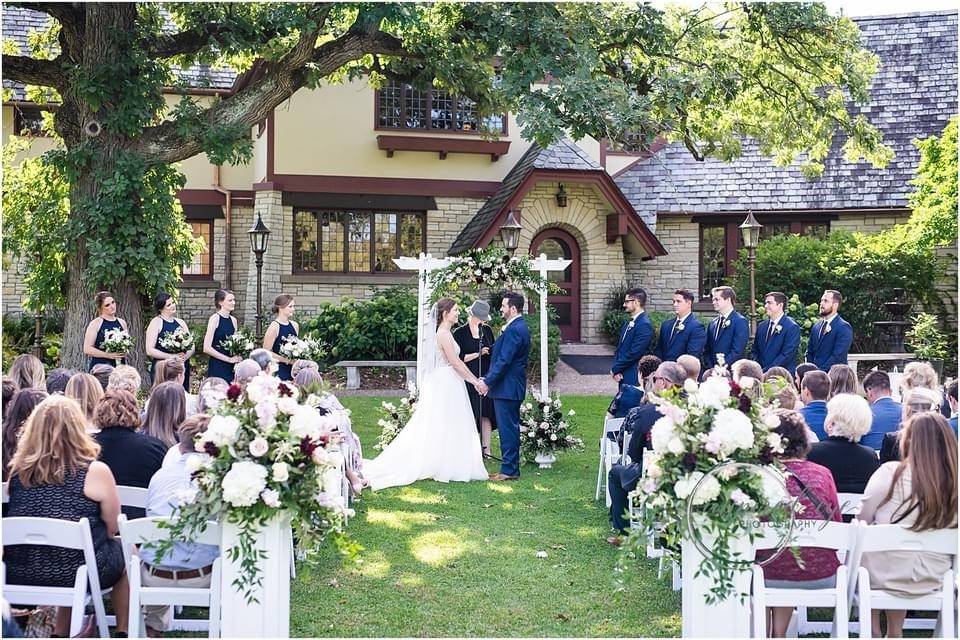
x=491, y=268
x=545, y=428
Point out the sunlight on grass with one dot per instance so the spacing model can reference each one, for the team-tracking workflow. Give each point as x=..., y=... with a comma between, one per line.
x=410, y=580
x=439, y=547
x=414, y=495
x=541, y=488
x=499, y=488
x=374, y=565
x=400, y=520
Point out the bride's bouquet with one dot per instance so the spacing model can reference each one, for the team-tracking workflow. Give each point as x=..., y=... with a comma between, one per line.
x=297, y=348
x=395, y=418
x=179, y=341
x=240, y=344
x=116, y=341
x=545, y=428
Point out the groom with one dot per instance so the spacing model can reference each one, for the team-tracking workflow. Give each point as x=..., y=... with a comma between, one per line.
x=506, y=383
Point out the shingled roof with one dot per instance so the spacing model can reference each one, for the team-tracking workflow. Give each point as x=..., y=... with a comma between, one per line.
x=18, y=23
x=913, y=95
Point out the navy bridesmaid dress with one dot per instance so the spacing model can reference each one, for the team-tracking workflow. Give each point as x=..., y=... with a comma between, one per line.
x=285, y=372
x=219, y=368
x=106, y=325
x=169, y=326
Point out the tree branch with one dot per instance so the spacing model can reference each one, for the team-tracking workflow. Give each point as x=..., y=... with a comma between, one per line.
x=72, y=18
x=27, y=70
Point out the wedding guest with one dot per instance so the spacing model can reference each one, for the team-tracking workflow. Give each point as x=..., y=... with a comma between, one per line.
x=802, y=369
x=842, y=380
x=57, y=380
x=9, y=388
x=851, y=464
x=212, y=391
x=645, y=370
x=814, y=486
x=918, y=374
x=55, y=474
x=728, y=333
x=787, y=396
x=814, y=393
x=781, y=373
x=682, y=333
x=831, y=336
x=951, y=390
x=87, y=392
x=27, y=372
x=195, y=425
x=245, y=371
x=173, y=370
x=124, y=378
x=166, y=410
x=778, y=337
x=916, y=400
x=106, y=320
x=264, y=360
x=221, y=325
x=691, y=365
x=102, y=373
x=475, y=340
x=886, y=411
x=22, y=405
x=307, y=377
x=919, y=493
x=635, y=337
x=300, y=365
x=282, y=327
x=163, y=324
x=748, y=369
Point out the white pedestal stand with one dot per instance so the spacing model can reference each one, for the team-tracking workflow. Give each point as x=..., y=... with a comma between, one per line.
x=270, y=616
x=726, y=619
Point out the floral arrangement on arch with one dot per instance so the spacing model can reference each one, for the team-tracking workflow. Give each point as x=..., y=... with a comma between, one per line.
x=703, y=428
x=545, y=428
x=395, y=417
x=268, y=452
x=491, y=268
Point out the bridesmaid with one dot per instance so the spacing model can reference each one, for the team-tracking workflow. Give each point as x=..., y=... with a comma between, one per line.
x=107, y=320
x=279, y=329
x=221, y=325
x=165, y=323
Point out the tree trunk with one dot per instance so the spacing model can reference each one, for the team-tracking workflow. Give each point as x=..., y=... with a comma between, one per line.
x=78, y=312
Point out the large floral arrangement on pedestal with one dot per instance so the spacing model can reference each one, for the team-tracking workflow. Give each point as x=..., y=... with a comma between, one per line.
x=492, y=269
x=269, y=451
x=713, y=472
x=545, y=428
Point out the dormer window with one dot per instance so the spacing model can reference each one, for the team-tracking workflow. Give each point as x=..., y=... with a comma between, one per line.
x=404, y=107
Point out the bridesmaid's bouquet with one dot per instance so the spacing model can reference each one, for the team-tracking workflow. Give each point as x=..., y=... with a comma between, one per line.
x=240, y=344
x=179, y=341
x=297, y=348
x=116, y=341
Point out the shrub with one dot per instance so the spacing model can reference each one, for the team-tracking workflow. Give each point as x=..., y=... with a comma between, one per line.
x=613, y=320
x=18, y=332
x=925, y=338
x=553, y=346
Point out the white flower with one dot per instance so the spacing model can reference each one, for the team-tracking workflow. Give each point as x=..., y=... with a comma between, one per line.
x=774, y=489
x=630, y=326
x=771, y=420
x=653, y=470
x=186, y=496
x=258, y=447
x=661, y=433
x=243, y=483
x=213, y=397
x=571, y=413
x=222, y=430
x=731, y=430
x=320, y=456
x=741, y=499
x=726, y=323
x=553, y=437
x=404, y=401
x=266, y=416
x=675, y=446
x=280, y=472
x=746, y=382
x=271, y=498
x=680, y=327
x=262, y=388
x=826, y=329
x=777, y=328
x=287, y=405
x=690, y=385
x=714, y=392
x=544, y=425
x=684, y=486
x=305, y=423
x=775, y=442
x=194, y=461
x=708, y=491
x=541, y=554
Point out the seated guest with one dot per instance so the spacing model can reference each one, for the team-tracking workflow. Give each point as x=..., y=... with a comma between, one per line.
x=27, y=371
x=187, y=564
x=132, y=457
x=814, y=392
x=814, y=486
x=851, y=464
x=307, y=377
x=746, y=368
x=196, y=423
x=245, y=371
x=842, y=380
x=174, y=369
x=802, y=370
x=951, y=390
x=916, y=400
x=886, y=411
x=299, y=365
x=778, y=372
x=264, y=359
x=691, y=365
x=124, y=378
x=623, y=479
x=212, y=391
x=22, y=405
x=57, y=380
x=55, y=474
x=9, y=388
x=627, y=398
x=645, y=370
x=102, y=373
x=86, y=390
x=787, y=397
x=919, y=493
x=918, y=374
x=166, y=411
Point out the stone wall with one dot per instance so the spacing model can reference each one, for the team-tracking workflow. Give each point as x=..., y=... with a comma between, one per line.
x=869, y=222
x=680, y=268
x=14, y=289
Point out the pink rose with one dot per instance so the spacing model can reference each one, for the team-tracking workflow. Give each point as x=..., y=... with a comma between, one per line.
x=258, y=447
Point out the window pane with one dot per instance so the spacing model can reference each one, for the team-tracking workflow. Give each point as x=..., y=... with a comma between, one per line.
x=331, y=241
x=816, y=229
x=712, y=258
x=411, y=234
x=415, y=102
x=403, y=106
x=773, y=229
x=305, y=245
x=28, y=121
x=201, y=262
x=564, y=312
x=557, y=250
x=358, y=242
x=385, y=226
x=441, y=110
x=391, y=105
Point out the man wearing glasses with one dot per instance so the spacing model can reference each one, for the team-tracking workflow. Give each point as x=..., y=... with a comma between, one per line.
x=635, y=336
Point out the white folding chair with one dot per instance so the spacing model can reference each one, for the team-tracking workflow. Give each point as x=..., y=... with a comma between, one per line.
x=142, y=530
x=132, y=496
x=51, y=532
x=849, y=503
x=608, y=454
x=838, y=536
x=892, y=537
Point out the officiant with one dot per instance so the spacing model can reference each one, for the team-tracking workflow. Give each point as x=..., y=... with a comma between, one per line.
x=476, y=340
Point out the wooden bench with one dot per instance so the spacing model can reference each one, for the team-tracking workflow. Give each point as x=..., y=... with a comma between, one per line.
x=353, y=369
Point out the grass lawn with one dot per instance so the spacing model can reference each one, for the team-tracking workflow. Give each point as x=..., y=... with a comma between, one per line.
x=460, y=559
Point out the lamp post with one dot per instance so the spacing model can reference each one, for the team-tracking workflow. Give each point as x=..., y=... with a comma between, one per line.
x=510, y=232
x=259, y=234
x=38, y=324
x=750, y=229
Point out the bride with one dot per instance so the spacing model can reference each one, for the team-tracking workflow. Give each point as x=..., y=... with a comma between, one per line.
x=440, y=441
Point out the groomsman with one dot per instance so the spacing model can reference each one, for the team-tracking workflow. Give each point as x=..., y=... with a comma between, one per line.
x=635, y=336
x=778, y=337
x=728, y=333
x=684, y=333
x=830, y=337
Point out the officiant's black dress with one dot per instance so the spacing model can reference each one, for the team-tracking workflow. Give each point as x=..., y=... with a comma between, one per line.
x=482, y=406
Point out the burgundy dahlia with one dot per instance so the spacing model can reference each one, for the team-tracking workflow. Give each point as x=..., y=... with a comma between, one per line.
x=211, y=449
x=307, y=446
x=233, y=392
x=734, y=388
x=745, y=403
x=690, y=461
x=285, y=390
x=766, y=455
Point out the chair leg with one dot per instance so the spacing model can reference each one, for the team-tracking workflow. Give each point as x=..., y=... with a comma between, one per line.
x=677, y=582
x=841, y=614
x=759, y=606
x=79, y=600
x=946, y=608
x=601, y=466
x=214, y=626
x=863, y=589
x=135, y=617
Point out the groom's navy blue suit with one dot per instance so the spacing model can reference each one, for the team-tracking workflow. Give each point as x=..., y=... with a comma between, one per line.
x=507, y=385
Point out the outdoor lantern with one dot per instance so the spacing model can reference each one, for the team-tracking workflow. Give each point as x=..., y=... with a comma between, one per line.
x=750, y=230
x=561, y=196
x=510, y=232
x=258, y=236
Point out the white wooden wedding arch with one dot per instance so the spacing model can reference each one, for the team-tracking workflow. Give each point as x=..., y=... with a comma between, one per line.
x=424, y=264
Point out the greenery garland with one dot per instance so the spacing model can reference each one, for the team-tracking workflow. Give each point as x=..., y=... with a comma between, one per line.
x=492, y=269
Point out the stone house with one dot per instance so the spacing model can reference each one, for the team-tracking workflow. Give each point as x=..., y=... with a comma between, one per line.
x=347, y=177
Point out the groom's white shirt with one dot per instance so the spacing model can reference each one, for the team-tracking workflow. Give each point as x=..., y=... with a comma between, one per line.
x=510, y=320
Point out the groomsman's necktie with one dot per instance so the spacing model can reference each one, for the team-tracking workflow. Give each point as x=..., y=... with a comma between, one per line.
x=823, y=328
x=770, y=329
x=673, y=329
x=719, y=327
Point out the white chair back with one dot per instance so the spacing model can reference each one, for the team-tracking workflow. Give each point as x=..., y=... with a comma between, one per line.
x=607, y=451
x=132, y=496
x=612, y=425
x=849, y=503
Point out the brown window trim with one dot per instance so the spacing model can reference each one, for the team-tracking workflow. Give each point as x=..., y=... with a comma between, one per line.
x=429, y=128
x=205, y=277
x=373, y=240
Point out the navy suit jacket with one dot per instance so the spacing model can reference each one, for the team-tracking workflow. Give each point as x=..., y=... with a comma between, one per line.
x=691, y=340
x=732, y=341
x=887, y=414
x=640, y=420
x=781, y=350
x=507, y=377
x=832, y=348
x=633, y=344
x=815, y=413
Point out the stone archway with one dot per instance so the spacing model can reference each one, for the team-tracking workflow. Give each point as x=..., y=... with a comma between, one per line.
x=558, y=244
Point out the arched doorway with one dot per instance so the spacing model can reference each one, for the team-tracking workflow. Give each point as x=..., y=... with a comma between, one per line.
x=558, y=244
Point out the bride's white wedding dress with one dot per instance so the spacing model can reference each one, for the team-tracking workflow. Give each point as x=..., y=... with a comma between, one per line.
x=440, y=442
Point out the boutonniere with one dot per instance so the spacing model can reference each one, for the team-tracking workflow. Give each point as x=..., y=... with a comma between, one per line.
x=726, y=323
x=826, y=329
x=680, y=326
x=777, y=328
x=630, y=326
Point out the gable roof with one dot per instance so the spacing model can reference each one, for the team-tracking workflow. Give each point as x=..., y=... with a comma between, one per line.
x=913, y=95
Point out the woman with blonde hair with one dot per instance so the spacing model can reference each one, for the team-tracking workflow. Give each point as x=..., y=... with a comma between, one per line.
x=842, y=380
x=848, y=419
x=86, y=390
x=55, y=474
x=27, y=372
x=915, y=400
x=916, y=375
x=124, y=378
x=918, y=492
